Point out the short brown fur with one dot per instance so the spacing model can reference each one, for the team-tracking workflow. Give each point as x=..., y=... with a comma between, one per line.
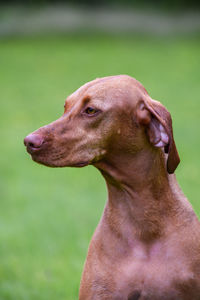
x=147, y=244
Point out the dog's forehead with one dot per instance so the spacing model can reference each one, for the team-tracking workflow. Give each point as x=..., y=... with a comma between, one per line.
x=118, y=88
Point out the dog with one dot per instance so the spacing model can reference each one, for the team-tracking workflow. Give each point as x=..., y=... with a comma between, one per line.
x=147, y=244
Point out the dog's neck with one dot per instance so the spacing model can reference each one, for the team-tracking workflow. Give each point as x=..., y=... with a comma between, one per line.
x=140, y=196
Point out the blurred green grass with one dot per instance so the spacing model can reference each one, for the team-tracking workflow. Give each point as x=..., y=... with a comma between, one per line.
x=47, y=216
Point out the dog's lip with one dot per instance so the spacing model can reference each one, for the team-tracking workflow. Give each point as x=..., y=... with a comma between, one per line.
x=82, y=164
x=32, y=150
x=42, y=161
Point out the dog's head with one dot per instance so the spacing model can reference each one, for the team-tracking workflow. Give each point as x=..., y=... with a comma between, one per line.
x=109, y=115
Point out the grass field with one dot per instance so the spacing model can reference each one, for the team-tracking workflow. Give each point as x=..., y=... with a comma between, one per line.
x=47, y=216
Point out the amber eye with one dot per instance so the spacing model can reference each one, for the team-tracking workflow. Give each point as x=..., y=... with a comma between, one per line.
x=90, y=111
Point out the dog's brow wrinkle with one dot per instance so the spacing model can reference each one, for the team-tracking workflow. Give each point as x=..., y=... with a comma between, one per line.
x=86, y=99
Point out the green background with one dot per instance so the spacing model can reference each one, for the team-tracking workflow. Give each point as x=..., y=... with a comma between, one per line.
x=47, y=216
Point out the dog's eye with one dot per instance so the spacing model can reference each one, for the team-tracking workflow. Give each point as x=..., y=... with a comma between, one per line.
x=91, y=111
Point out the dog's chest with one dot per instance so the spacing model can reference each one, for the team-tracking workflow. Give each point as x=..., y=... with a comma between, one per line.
x=149, y=281
x=161, y=271
x=155, y=276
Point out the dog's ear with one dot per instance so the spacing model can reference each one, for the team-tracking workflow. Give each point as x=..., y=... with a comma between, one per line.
x=158, y=122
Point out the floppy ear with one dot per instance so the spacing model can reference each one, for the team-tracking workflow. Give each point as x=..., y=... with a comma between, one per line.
x=158, y=122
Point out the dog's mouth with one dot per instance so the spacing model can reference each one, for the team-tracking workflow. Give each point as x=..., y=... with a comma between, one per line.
x=43, y=153
x=33, y=150
x=44, y=158
x=56, y=164
x=39, y=154
x=81, y=164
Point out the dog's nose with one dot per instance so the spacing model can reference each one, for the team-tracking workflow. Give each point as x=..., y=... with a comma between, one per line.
x=33, y=141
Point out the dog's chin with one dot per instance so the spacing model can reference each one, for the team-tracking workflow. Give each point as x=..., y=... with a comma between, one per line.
x=57, y=163
x=43, y=161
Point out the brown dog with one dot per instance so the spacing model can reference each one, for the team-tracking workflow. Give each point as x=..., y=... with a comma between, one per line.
x=147, y=244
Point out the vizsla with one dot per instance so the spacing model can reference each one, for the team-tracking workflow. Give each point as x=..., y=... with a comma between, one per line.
x=147, y=244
